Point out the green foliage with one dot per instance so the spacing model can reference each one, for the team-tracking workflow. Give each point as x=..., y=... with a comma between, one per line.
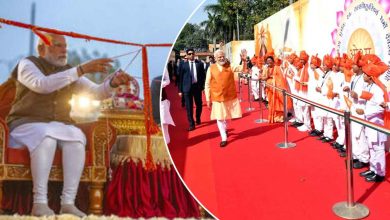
x=224, y=15
x=192, y=36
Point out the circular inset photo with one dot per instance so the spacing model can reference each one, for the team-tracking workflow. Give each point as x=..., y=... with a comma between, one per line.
x=278, y=109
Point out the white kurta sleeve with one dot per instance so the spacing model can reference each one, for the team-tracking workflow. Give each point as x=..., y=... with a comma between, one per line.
x=337, y=82
x=296, y=77
x=31, y=77
x=372, y=107
x=165, y=79
x=207, y=85
x=255, y=72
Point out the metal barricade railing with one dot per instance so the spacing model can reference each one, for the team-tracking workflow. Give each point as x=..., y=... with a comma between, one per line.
x=284, y=144
x=261, y=119
x=239, y=87
x=248, y=78
x=349, y=209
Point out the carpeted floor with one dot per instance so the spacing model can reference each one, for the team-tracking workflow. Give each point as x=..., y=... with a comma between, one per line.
x=253, y=179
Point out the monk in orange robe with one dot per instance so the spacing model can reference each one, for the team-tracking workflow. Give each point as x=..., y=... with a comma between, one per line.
x=273, y=75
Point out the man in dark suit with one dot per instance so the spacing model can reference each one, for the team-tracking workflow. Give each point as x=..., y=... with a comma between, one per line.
x=192, y=78
x=211, y=61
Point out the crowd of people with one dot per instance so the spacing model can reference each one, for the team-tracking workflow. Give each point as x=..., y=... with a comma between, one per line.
x=214, y=78
x=340, y=82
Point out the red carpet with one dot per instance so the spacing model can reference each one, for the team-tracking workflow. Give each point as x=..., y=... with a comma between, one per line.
x=253, y=179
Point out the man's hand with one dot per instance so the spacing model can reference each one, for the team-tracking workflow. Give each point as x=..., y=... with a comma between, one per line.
x=360, y=111
x=208, y=104
x=346, y=89
x=180, y=94
x=353, y=94
x=95, y=66
x=383, y=105
x=120, y=78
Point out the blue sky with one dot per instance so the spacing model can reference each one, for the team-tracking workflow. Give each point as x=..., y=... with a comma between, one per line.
x=139, y=21
x=199, y=15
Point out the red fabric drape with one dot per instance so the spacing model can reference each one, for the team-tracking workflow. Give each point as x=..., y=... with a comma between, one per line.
x=135, y=192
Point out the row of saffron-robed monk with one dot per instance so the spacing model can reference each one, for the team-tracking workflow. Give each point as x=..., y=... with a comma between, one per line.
x=338, y=82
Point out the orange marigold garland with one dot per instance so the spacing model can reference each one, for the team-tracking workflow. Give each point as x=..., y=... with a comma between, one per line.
x=150, y=126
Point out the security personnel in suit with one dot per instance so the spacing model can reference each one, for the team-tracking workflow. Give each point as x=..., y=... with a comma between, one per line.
x=191, y=84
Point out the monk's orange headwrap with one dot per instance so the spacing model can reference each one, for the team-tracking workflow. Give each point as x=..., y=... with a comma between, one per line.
x=297, y=63
x=291, y=58
x=328, y=61
x=346, y=62
x=357, y=59
x=269, y=54
x=337, y=60
x=254, y=60
x=315, y=61
x=373, y=65
x=303, y=56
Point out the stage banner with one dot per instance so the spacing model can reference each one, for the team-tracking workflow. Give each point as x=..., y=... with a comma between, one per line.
x=328, y=27
x=233, y=50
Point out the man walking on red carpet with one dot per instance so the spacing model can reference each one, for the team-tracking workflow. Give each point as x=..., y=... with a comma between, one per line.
x=220, y=89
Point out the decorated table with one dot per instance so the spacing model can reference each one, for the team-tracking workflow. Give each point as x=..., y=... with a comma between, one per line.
x=134, y=190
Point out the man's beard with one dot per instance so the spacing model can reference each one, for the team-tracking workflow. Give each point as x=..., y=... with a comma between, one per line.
x=59, y=61
x=221, y=63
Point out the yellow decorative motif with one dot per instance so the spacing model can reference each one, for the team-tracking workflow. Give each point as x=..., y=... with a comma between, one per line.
x=86, y=175
x=99, y=174
x=18, y=172
x=56, y=174
x=101, y=135
x=125, y=121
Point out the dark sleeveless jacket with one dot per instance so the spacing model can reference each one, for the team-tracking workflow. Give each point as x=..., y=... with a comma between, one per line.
x=29, y=106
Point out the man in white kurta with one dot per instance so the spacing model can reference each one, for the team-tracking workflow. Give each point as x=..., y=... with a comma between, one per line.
x=326, y=98
x=289, y=72
x=374, y=113
x=221, y=96
x=360, y=149
x=41, y=136
x=294, y=86
x=315, y=80
x=255, y=82
x=302, y=79
x=166, y=118
x=338, y=102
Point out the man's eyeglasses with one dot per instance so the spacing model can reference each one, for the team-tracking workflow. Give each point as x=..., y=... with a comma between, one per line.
x=190, y=54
